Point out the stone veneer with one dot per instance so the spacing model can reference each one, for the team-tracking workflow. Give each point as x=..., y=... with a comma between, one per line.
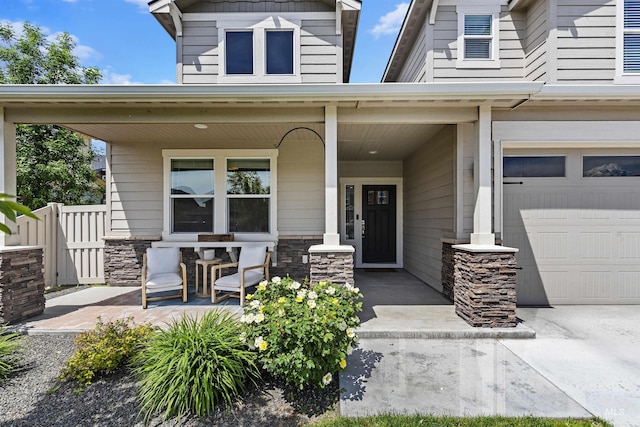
x=123, y=259
x=21, y=283
x=289, y=251
x=332, y=264
x=447, y=270
x=485, y=286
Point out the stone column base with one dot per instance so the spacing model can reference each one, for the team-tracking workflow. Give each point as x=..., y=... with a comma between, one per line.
x=485, y=285
x=123, y=259
x=332, y=263
x=21, y=283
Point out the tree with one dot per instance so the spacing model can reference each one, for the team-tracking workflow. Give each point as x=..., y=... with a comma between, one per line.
x=53, y=163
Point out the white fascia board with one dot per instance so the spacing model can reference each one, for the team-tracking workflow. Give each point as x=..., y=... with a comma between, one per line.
x=282, y=92
x=160, y=6
x=601, y=92
x=351, y=5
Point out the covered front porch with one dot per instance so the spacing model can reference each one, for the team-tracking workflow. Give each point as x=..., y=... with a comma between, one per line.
x=373, y=176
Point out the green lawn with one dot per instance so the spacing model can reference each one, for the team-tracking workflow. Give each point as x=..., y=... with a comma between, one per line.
x=433, y=421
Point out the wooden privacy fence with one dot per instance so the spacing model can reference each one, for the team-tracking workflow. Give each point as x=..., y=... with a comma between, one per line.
x=72, y=238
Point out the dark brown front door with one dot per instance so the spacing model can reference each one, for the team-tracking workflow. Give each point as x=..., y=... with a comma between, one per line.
x=379, y=228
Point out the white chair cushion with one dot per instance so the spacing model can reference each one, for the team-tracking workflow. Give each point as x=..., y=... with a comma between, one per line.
x=163, y=260
x=252, y=255
x=232, y=281
x=163, y=282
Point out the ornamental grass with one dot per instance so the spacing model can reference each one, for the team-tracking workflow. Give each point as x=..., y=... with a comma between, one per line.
x=302, y=333
x=9, y=345
x=193, y=366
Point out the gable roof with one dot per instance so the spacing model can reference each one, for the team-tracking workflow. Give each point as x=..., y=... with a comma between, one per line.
x=411, y=27
x=166, y=11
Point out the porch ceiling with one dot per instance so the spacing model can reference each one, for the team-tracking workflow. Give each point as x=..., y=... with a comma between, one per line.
x=355, y=141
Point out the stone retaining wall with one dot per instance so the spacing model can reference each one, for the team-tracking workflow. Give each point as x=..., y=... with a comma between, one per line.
x=21, y=284
x=123, y=259
x=485, y=288
x=332, y=265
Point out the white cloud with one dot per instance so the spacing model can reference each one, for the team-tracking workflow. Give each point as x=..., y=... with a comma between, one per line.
x=143, y=4
x=70, y=1
x=391, y=22
x=111, y=78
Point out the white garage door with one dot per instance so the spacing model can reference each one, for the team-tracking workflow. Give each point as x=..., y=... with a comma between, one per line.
x=575, y=216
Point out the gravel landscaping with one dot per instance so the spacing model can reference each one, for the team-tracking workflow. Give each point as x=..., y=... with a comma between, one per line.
x=33, y=396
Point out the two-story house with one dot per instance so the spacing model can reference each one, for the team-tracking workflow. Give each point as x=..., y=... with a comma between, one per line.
x=511, y=122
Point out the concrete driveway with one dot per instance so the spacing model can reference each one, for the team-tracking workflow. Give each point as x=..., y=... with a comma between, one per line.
x=592, y=353
x=584, y=360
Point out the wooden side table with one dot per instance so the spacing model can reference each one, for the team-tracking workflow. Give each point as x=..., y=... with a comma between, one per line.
x=205, y=265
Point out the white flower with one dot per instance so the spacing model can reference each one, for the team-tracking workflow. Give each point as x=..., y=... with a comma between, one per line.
x=254, y=304
x=312, y=295
x=302, y=294
x=243, y=319
x=342, y=325
x=276, y=280
x=326, y=379
x=351, y=333
x=355, y=290
x=348, y=287
x=243, y=337
x=331, y=290
x=264, y=283
x=349, y=350
x=311, y=303
x=295, y=285
x=260, y=344
x=259, y=318
x=250, y=318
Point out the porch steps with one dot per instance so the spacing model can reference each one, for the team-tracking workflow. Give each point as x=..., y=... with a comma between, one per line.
x=430, y=322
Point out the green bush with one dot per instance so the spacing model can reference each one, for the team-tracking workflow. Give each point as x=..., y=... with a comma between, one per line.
x=302, y=333
x=9, y=344
x=106, y=348
x=193, y=366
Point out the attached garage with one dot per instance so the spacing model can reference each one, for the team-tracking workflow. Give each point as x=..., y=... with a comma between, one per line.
x=574, y=215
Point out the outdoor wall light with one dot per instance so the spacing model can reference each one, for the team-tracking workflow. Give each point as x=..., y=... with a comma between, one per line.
x=200, y=126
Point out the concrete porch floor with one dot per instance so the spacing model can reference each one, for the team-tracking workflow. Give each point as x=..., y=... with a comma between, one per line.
x=395, y=305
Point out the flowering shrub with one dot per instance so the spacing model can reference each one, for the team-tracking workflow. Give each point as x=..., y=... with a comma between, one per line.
x=301, y=332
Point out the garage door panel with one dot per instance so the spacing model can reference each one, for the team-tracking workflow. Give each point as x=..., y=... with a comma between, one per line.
x=579, y=237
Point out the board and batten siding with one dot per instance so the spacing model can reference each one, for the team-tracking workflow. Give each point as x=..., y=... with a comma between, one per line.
x=259, y=6
x=428, y=206
x=136, y=188
x=318, y=52
x=535, y=47
x=414, y=68
x=586, y=41
x=446, y=45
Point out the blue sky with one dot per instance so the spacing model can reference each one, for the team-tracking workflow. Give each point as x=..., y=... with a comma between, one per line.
x=130, y=47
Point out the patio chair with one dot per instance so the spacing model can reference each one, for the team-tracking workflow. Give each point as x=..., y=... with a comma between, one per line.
x=252, y=267
x=163, y=271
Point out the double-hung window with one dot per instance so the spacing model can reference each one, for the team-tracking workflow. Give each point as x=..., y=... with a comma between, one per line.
x=266, y=51
x=220, y=191
x=478, y=36
x=628, y=42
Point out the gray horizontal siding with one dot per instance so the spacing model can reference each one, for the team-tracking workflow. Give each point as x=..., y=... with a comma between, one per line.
x=536, y=30
x=199, y=52
x=586, y=41
x=445, y=49
x=428, y=206
x=414, y=67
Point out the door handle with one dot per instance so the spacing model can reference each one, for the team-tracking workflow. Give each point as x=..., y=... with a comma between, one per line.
x=363, y=228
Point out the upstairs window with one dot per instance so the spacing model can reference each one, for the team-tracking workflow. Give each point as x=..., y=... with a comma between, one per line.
x=628, y=42
x=265, y=50
x=478, y=36
x=239, y=52
x=279, y=52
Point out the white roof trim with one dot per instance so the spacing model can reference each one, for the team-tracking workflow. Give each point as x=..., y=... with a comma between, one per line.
x=311, y=92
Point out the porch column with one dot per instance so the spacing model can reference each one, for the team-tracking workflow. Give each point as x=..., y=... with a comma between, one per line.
x=7, y=173
x=482, y=230
x=331, y=235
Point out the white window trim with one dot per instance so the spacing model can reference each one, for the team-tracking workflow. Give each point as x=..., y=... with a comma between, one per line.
x=494, y=61
x=220, y=158
x=259, y=26
x=621, y=77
